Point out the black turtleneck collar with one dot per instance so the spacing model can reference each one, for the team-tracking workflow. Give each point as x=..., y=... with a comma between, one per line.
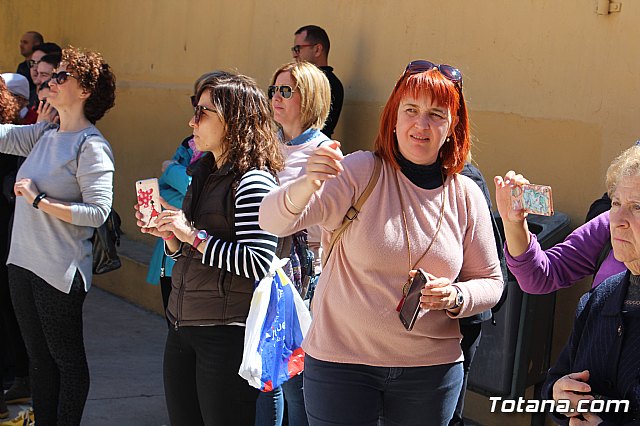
x=425, y=177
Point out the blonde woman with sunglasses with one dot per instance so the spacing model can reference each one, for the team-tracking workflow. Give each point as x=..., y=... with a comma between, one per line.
x=300, y=97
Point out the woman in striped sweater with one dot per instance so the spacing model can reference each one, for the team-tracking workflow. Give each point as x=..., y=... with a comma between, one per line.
x=220, y=252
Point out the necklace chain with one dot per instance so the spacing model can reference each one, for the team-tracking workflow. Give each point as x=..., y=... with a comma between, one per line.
x=412, y=266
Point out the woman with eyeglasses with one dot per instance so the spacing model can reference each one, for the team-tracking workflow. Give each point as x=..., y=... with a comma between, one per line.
x=362, y=365
x=173, y=184
x=220, y=253
x=300, y=97
x=64, y=190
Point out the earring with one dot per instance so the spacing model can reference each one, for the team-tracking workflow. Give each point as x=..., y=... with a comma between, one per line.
x=394, y=130
x=448, y=139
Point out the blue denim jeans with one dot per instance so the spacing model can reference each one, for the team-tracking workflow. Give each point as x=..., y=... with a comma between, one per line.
x=353, y=394
x=270, y=405
x=270, y=408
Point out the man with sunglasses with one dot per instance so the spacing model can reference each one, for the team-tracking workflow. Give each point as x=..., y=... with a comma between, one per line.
x=311, y=44
x=38, y=53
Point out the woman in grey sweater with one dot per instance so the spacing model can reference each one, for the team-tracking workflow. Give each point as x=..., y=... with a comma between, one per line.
x=64, y=190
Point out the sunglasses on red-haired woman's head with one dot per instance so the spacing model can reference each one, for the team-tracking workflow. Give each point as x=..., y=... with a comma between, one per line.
x=449, y=72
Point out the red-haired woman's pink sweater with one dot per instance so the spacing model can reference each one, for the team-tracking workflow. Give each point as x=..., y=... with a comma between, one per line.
x=354, y=307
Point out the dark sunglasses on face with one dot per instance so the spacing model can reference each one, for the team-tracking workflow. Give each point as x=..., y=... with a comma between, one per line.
x=198, y=110
x=61, y=77
x=449, y=72
x=296, y=49
x=285, y=91
x=194, y=101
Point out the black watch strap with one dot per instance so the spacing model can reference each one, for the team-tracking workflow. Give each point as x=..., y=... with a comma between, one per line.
x=38, y=198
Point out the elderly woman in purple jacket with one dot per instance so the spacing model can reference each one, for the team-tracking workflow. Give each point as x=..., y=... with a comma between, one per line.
x=596, y=377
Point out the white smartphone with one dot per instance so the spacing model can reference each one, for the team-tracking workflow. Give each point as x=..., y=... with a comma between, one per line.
x=148, y=194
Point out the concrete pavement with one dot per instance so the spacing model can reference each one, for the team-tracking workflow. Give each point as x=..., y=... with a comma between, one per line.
x=125, y=345
x=124, y=349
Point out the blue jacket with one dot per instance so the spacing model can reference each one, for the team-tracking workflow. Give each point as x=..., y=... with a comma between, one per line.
x=605, y=340
x=173, y=186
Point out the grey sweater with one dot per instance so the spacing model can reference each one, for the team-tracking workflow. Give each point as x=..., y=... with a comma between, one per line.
x=41, y=243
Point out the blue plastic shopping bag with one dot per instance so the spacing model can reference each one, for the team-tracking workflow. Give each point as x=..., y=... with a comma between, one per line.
x=277, y=323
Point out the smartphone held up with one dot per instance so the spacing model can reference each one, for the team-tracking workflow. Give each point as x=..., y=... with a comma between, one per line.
x=148, y=194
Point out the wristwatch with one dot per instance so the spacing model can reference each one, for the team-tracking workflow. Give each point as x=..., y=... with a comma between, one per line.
x=200, y=237
x=459, y=298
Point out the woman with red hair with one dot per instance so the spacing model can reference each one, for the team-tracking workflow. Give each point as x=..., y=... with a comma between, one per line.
x=362, y=365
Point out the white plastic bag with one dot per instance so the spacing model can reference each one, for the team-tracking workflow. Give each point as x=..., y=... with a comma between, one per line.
x=277, y=323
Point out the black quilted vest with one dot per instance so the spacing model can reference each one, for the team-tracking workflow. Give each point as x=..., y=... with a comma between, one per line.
x=202, y=294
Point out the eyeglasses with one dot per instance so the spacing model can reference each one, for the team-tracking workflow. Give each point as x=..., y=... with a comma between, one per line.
x=198, y=110
x=285, y=91
x=194, y=101
x=33, y=63
x=449, y=72
x=296, y=49
x=61, y=77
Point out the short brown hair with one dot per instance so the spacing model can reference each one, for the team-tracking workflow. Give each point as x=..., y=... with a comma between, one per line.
x=251, y=140
x=453, y=154
x=315, y=92
x=95, y=76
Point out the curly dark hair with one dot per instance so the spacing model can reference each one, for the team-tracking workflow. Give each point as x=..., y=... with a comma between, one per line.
x=95, y=76
x=9, y=107
x=251, y=139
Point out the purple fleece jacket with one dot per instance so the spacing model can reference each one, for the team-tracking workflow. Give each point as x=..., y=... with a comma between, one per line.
x=542, y=272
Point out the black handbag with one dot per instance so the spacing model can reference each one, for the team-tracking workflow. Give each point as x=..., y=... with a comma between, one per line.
x=105, y=240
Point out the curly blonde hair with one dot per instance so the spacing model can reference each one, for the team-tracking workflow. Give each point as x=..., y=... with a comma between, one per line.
x=251, y=140
x=9, y=106
x=626, y=164
x=95, y=76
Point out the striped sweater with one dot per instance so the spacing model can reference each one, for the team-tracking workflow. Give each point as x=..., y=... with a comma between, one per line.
x=253, y=252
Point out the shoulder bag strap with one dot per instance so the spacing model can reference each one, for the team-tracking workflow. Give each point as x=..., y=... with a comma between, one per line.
x=353, y=211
